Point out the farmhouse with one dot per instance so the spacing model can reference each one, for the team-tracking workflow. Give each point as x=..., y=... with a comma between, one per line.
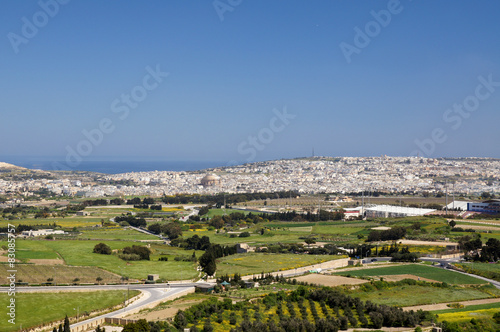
x=83, y=213
x=242, y=248
x=42, y=232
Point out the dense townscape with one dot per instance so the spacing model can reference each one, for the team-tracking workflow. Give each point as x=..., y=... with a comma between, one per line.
x=465, y=176
x=285, y=245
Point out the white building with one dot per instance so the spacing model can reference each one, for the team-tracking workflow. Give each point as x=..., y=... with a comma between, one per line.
x=390, y=211
x=42, y=232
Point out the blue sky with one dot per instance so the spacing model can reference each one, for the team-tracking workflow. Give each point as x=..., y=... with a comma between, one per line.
x=229, y=78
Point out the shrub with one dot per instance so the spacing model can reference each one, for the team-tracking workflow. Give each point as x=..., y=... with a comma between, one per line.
x=130, y=257
x=102, y=248
x=244, y=234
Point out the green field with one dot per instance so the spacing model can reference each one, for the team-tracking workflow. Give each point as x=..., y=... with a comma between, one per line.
x=487, y=270
x=420, y=270
x=67, y=223
x=33, y=309
x=274, y=236
x=220, y=212
x=79, y=253
x=61, y=274
x=410, y=295
x=482, y=312
x=469, y=308
x=255, y=263
x=115, y=233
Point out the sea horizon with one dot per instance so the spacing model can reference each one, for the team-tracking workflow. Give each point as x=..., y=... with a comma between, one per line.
x=113, y=165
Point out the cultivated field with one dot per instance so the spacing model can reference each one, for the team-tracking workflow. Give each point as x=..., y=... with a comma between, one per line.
x=256, y=263
x=116, y=234
x=33, y=309
x=420, y=270
x=79, y=253
x=330, y=280
x=478, y=312
x=38, y=274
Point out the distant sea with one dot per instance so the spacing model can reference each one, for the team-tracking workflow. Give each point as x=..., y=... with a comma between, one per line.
x=114, y=166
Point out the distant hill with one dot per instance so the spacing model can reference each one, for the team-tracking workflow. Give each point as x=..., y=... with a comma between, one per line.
x=6, y=166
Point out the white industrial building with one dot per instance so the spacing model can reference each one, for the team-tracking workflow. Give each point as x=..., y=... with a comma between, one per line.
x=457, y=205
x=390, y=211
x=42, y=232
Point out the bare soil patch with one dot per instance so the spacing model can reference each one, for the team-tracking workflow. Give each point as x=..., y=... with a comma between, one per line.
x=46, y=261
x=168, y=312
x=485, y=228
x=442, y=306
x=329, y=280
x=399, y=277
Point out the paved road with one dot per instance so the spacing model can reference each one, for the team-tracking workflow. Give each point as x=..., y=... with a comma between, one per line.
x=141, y=287
x=150, y=295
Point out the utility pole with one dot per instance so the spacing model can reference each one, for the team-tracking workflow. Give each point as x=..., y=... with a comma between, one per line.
x=363, y=200
x=453, y=193
x=446, y=189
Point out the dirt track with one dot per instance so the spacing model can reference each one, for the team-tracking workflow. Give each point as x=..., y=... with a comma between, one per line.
x=163, y=314
x=399, y=277
x=442, y=306
x=329, y=280
x=46, y=261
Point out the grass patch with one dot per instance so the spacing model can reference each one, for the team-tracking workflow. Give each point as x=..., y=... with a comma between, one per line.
x=56, y=306
x=115, y=234
x=255, y=263
x=470, y=308
x=420, y=270
x=79, y=253
x=37, y=274
x=220, y=212
x=487, y=270
x=466, y=316
x=410, y=295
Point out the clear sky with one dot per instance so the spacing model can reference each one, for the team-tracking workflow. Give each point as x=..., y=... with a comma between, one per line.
x=249, y=80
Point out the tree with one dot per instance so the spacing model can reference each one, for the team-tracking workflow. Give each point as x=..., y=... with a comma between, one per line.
x=130, y=327
x=207, y=263
x=310, y=240
x=452, y=223
x=180, y=320
x=155, y=228
x=140, y=251
x=172, y=230
x=377, y=319
x=142, y=326
x=103, y=249
x=217, y=222
x=66, y=324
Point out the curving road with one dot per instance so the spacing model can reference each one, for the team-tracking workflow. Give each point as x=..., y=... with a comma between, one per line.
x=152, y=295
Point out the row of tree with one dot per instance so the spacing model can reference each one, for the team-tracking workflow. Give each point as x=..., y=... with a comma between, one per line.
x=222, y=198
x=132, y=220
x=369, y=315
